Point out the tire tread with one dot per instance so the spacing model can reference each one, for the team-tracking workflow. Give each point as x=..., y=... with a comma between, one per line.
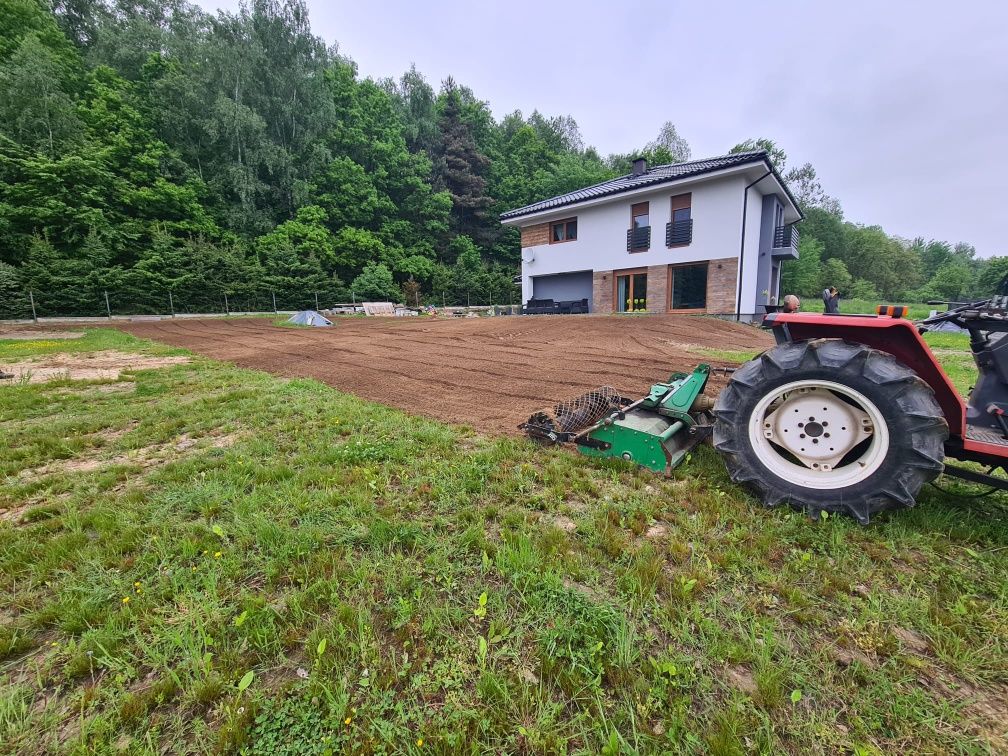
x=927, y=428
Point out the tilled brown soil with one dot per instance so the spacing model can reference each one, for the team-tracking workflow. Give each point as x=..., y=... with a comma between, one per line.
x=490, y=373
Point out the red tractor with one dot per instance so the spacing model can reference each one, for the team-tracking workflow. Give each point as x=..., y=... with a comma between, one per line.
x=853, y=413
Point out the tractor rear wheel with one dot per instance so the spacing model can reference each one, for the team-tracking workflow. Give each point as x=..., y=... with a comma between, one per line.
x=830, y=425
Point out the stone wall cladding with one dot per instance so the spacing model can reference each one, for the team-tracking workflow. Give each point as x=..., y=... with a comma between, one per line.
x=533, y=236
x=721, y=277
x=657, y=288
x=602, y=291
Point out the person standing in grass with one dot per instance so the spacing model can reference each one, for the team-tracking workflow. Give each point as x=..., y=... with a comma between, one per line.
x=831, y=300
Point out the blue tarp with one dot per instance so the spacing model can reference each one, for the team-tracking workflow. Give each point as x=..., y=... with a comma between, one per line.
x=309, y=318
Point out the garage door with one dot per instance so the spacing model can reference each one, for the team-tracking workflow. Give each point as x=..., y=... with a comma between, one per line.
x=563, y=287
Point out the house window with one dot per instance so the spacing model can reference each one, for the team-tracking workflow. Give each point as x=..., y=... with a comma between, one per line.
x=638, y=237
x=688, y=287
x=631, y=291
x=565, y=230
x=639, y=216
x=680, y=229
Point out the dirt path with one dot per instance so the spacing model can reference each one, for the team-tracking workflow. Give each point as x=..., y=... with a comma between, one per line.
x=490, y=373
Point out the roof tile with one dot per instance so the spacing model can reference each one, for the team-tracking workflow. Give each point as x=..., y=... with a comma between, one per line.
x=656, y=175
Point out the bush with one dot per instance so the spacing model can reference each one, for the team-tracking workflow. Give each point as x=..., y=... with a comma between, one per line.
x=862, y=289
x=376, y=282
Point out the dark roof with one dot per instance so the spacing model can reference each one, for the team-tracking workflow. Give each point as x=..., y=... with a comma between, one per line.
x=657, y=175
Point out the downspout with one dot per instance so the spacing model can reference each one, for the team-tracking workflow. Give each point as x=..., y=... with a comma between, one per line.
x=741, y=256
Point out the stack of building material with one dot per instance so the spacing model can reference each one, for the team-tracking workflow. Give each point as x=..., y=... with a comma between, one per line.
x=379, y=309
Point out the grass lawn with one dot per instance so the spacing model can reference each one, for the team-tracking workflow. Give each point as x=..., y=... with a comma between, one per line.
x=207, y=559
x=917, y=310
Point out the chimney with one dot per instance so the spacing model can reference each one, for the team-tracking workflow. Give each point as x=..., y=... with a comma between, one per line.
x=639, y=166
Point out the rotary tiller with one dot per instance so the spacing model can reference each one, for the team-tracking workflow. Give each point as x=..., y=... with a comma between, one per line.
x=656, y=431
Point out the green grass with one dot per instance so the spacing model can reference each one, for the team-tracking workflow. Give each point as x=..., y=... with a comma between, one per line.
x=728, y=355
x=92, y=341
x=917, y=310
x=953, y=351
x=308, y=573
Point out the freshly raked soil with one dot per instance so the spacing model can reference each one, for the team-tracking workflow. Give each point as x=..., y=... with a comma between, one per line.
x=490, y=373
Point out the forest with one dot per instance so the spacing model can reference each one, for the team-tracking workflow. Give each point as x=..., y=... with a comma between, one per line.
x=153, y=150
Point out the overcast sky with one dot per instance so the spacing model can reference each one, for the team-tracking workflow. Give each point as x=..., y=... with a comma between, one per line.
x=901, y=107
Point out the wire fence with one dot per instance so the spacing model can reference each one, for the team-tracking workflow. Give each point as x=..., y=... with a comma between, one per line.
x=108, y=303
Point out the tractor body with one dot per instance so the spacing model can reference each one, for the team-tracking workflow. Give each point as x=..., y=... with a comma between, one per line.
x=867, y=392
x=978, y=431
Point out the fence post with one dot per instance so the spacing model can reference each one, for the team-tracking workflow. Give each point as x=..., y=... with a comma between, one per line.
x=275, y=310
x=443, y=305
x=468, y=303
x=108, y=309
x=171, y=303
x=316, y=301
x=417, y=292
x=353, y=299
x=227, y=307
x=31, y=296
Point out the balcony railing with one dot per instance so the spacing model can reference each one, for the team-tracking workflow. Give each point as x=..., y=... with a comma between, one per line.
x=679, y=233
x=638, y=239
x=785, y=236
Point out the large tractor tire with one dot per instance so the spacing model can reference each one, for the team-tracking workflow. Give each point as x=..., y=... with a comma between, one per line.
x=830, y=425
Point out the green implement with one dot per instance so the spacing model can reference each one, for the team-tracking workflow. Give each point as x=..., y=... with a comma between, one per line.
x=656, y=431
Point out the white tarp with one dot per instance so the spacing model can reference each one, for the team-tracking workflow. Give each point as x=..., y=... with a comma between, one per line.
x=309, y=318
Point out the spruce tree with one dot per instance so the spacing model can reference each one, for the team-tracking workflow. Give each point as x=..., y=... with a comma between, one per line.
x=460, y=168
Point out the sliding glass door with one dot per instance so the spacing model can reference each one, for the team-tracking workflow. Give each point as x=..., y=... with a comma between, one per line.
x=631, y=292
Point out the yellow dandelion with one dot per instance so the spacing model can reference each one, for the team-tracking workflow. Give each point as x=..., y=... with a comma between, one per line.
x=419, y=742
x=136, y=585
x=126, y=599
x=217, y=555
x=205, y=552
x=347, y=721
x=194, y=568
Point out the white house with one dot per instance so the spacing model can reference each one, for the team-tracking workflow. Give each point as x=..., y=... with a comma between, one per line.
x=705, y=236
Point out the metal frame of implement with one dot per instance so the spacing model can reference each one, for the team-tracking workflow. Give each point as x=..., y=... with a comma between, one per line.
x=656, y=432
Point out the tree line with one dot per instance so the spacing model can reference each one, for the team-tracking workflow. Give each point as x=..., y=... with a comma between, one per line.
x=150, y=147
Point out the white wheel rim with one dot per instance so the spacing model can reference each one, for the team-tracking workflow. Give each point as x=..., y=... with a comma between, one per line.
x=816, y=427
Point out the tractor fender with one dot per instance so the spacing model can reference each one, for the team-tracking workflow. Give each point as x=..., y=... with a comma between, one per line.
x=895, y=336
